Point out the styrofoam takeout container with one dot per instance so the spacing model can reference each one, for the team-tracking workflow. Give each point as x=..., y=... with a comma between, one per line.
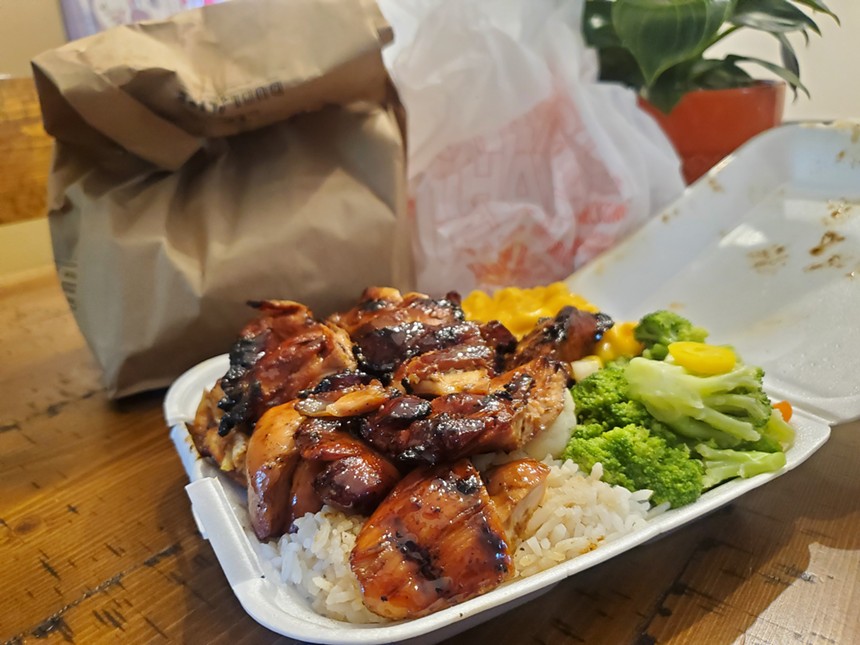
x=764, y=252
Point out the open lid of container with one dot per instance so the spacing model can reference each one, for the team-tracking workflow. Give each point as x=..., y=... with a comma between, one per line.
x=764, y=252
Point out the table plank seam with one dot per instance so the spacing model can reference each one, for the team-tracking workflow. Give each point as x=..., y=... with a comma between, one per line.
x=49, y=412
x=55, y=622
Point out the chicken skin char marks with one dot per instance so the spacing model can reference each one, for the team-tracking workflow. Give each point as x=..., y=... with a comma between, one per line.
x=436, y=540
x=353, y=477
x=380, y=307
x=389, y=329
x=501, y=340
x=226, y=451
x=296, y=464
x=345, y=394
x=441, y=388
x=286, y=350
x=519, y=405
x=568, y=336
x=281, y=353
x=381, y=350
x=463, y=367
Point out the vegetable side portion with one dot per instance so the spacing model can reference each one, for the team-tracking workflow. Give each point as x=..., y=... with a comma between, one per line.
x=678, y=419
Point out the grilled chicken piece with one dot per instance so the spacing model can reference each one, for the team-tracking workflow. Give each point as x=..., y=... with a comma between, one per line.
x=520, y=404
x=436, y=540
x=352, y=476
x=516, y=488
x=501, y=340
x=567, y=337
x=346, y=394
x=537, y=393
x=271, y=462
x=460, y=368
x=425, y=342
x=373, y=303
x=227, y=452
x=457, y=425
x=278, y=355
x=303, y=494
x=386, y=307
x=381, y=350
x=389, y=328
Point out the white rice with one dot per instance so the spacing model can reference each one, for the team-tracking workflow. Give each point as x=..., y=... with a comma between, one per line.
x=577, y=514
x=316, y=560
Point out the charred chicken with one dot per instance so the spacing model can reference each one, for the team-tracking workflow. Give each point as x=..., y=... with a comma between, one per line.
x=376, y=411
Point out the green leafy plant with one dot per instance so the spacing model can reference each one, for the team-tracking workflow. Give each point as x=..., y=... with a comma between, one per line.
x=659, y=47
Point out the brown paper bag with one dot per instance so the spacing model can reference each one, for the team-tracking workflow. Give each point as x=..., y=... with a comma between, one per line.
x=243, y=151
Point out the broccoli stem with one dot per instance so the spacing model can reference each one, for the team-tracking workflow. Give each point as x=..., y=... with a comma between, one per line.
x=724, y=464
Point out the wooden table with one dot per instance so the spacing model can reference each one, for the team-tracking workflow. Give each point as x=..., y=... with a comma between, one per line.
x=98, y=542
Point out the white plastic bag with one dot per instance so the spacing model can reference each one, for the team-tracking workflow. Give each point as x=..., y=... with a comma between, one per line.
x=522, y=166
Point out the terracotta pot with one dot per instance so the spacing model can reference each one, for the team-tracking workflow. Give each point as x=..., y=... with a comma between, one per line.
x=707, y=125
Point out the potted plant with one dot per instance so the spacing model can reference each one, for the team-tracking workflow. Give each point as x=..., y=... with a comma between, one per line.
x=708, y=106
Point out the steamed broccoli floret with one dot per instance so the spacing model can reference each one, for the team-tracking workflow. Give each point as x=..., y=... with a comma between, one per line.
x=635, y=450
x=639, y=419
x=588, y=430
x=635, y=458
x=776, y=429
x=721, y=465
x=601, y=398
x=764, y=444
x=776, y=436
x=727, y=409
x=660, y=328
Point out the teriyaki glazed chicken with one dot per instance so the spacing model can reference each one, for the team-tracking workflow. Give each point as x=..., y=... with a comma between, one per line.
x=378, y=412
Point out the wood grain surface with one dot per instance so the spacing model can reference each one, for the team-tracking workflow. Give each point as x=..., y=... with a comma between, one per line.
x=98, y=544
x=25, y=152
